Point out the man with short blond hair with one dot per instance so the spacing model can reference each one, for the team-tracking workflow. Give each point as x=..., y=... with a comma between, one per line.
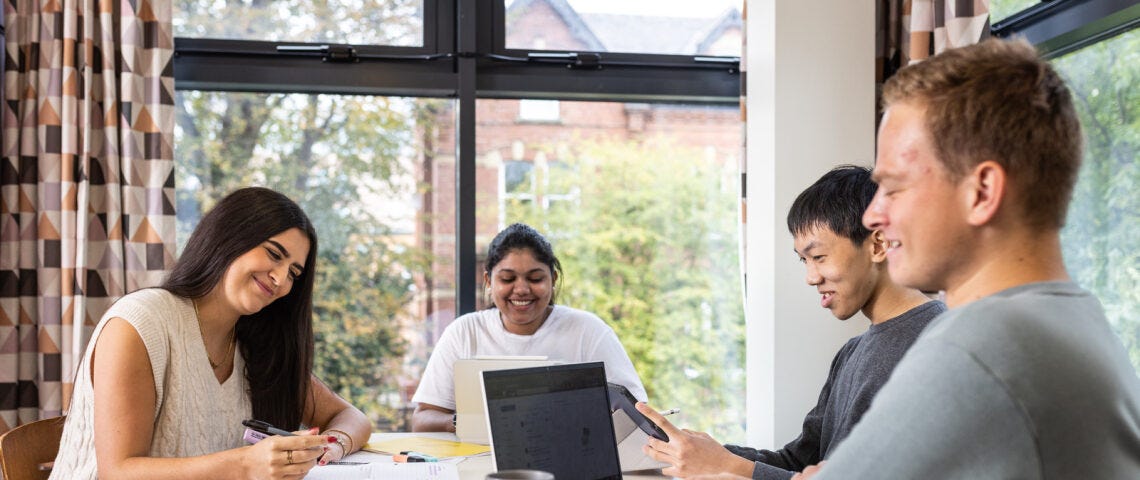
x=978, y=153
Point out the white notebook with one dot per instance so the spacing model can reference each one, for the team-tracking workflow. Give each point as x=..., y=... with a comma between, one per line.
x=386, y=471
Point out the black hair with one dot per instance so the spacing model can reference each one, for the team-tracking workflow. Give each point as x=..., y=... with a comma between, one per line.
x=276, y=342
x=520, y=236
x=836, y=201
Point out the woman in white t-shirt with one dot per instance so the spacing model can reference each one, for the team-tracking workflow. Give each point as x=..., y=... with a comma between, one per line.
x=521, y=274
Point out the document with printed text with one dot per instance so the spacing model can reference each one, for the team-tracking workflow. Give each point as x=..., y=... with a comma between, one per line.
x=386, y=471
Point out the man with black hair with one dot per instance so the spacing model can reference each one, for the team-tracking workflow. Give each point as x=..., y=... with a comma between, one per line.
x=846, y=263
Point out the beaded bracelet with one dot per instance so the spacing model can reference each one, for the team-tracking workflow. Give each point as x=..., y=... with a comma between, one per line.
x=342, y=439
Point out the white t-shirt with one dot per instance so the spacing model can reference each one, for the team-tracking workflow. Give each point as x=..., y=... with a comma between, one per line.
x=568, y=335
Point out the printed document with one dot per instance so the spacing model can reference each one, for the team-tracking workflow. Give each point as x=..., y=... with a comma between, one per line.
x=386, y=471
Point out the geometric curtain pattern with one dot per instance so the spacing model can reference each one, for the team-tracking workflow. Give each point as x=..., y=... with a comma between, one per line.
x=86, y=182
x=939, y=25
x=909, y=31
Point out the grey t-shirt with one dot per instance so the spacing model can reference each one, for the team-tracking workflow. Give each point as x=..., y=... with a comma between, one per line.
x=857, y=373
x=1027, y=383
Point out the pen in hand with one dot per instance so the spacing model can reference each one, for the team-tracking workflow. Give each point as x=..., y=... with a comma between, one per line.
x=266, y=428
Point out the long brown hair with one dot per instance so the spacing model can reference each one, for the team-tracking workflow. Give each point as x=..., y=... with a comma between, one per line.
x=276, y=342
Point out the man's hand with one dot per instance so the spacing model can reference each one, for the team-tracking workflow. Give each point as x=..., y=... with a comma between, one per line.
x=808, y=472
x=691, y=453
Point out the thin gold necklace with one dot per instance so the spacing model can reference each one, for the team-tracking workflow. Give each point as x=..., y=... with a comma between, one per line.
x=229, y=351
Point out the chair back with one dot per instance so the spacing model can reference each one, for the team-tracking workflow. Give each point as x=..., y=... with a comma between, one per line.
x=25, y=451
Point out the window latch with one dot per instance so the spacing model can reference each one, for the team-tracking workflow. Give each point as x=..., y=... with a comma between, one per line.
x=573, y=60
x=329, y=53
x=586, y=61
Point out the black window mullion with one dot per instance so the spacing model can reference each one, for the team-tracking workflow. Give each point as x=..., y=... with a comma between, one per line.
x=645, y=84
x=466, y=28
x=206, y=64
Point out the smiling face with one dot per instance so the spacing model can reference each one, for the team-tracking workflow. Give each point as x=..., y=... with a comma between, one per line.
x=845, y=275
x=919, y=209
x=521, y=288
x=262, y=275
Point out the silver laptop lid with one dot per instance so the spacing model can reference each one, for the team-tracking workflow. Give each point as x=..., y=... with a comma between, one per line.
x=470, y=411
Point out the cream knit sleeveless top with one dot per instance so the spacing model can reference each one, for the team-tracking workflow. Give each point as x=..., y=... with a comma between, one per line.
x=194, y=414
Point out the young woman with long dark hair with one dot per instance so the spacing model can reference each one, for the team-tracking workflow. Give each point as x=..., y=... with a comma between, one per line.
x=170, y=373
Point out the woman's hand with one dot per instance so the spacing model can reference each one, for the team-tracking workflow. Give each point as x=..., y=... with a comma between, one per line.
x=333, y=453
x=280, y=457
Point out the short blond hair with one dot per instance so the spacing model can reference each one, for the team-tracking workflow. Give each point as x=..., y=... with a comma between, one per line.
x=998, y=100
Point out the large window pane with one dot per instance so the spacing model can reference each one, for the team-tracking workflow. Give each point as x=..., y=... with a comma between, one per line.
x=356, y=22
x=1000, y=9
x=641, y=204
x=363, y=169
x=678, y=27
x=1102, y=239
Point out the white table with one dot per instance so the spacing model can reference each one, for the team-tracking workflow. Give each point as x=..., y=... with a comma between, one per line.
x=470, y=468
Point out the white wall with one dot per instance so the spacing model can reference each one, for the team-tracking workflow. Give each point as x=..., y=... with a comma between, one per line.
x=811, y=97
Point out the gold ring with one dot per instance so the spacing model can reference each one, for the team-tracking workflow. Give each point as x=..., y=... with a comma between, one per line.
x=289, y=457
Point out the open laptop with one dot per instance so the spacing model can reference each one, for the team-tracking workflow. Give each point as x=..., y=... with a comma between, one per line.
x=555, y=419
x=470, y=410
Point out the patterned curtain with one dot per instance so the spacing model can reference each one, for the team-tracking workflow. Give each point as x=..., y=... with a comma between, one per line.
x=86, y=183
x=938, y=25
x=910, y=31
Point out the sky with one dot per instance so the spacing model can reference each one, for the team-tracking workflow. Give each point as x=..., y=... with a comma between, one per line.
x=666, y=8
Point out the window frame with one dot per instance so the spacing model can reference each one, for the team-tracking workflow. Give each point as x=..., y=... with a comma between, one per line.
x=1059, y=27
x=463, y=57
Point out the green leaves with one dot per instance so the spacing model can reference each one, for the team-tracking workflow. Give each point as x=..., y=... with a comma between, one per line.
x=344, y=160
x=650, y=244
x=1102, y=239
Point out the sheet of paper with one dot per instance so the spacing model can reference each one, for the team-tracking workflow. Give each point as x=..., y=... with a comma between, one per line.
x=386, y=471
x=432, y=446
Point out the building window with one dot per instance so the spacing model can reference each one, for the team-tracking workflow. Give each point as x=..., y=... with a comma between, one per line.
x=538, y=110
x=518, y=183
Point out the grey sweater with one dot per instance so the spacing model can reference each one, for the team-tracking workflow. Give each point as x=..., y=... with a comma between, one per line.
x=860, y=368
x=1027, y=383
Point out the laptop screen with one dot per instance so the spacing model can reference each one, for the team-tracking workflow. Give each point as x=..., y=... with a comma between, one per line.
x=555, y=419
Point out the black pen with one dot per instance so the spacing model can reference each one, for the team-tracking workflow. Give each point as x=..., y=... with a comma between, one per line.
x=266, y=428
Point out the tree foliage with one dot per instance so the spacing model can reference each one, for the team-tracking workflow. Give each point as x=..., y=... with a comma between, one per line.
x=1102, y=238
x=649, y=242
x=356, y=22
x=345, y=160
